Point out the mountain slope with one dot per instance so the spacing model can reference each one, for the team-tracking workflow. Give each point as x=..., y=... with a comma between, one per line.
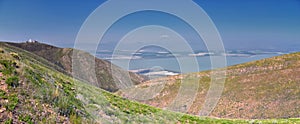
x=34, y=92
x=99, y=72
x=268, y=88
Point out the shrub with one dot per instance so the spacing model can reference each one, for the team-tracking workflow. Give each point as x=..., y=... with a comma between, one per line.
x=8, y=68
x=13, y=101
x=26, y=118
x=35, y=78
x=1, y=50
x=12, y=81
x=8, y=121
x=15, y=55
x=2, y=94
x=74, y=119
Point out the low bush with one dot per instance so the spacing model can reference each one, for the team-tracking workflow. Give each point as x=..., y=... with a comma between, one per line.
x=1, y=50
x=15, y=55
x=8, y=121
x=26, y=119
x=2, y=94
x=12, y=81
x=8, y=68
x=13, y=101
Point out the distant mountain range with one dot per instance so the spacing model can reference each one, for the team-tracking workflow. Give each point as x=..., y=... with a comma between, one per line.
x=153, y=54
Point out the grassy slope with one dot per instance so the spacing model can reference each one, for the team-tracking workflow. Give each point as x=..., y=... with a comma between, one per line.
x=263, y=89
x=32, y=92
x=62, y=58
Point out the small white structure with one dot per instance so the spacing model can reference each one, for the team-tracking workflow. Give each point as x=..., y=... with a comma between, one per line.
x=31, y=41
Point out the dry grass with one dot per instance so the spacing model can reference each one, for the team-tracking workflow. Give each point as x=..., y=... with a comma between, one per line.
x=263, y=89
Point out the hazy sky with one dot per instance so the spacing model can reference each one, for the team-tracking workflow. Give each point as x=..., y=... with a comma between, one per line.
x=243, y=24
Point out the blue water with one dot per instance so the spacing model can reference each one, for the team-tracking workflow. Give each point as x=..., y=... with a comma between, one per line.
x=171, y=63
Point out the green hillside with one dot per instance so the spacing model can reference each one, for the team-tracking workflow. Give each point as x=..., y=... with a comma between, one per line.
x=87, y=65
x=34, y=92
x=263, y=89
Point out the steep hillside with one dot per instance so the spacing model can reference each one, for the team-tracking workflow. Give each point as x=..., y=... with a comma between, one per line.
x=268, y=88
x=34, y=92
x=98, y=72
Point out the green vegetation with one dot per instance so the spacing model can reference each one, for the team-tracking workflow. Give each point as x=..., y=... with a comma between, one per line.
x=130, y=108
x=2, y=94
x=61, y=60
x=8, y=68
x=1, y=50
x=263, y=89
x=39, y=93
x=26, y=119
x=59, y=93
x=115, y=109
x=12, y=102
x=75, y=119
x=12, y=81
x=15, y=55
x=8, y=121
x=45, y=95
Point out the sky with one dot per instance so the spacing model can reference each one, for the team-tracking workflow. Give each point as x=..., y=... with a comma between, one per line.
x=251, y=24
